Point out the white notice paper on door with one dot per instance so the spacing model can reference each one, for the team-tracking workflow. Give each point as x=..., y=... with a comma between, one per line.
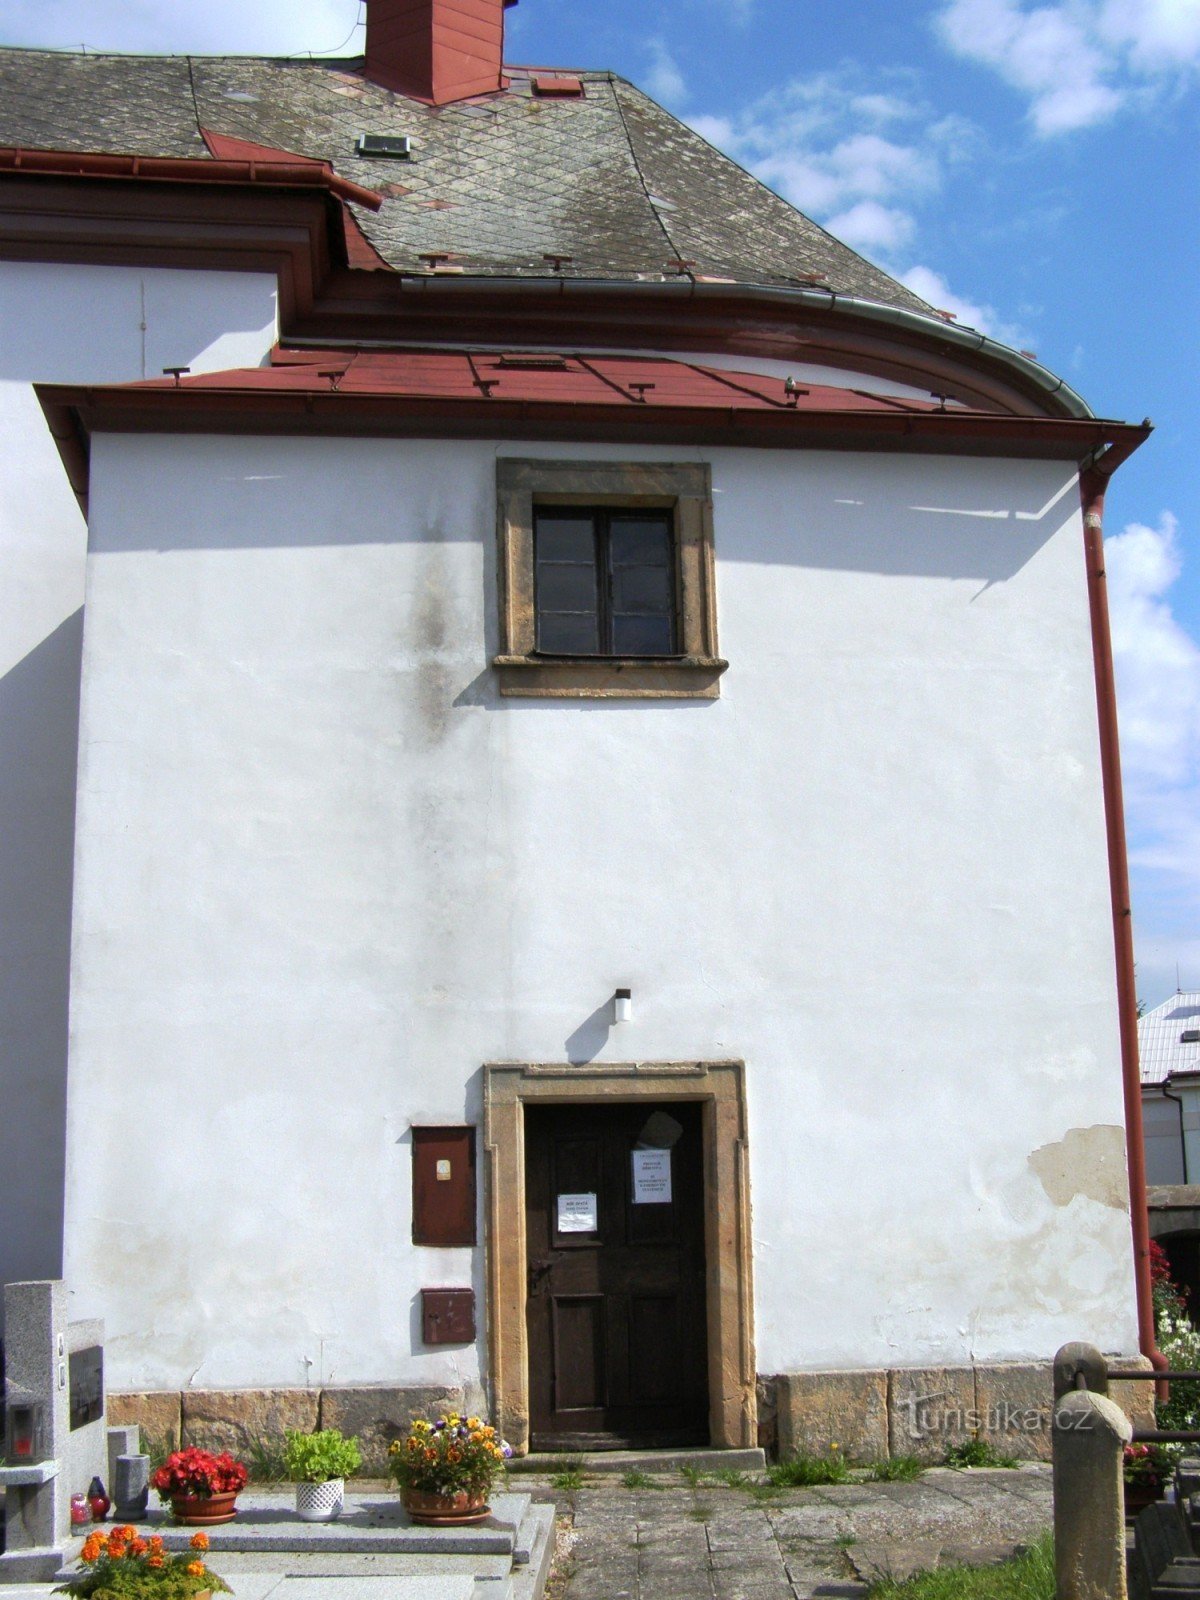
x=577, y=1213
x=651, y=1177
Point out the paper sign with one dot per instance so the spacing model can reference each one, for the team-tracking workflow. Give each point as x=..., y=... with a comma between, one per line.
x=442, y=1172
x=577, y=1213
x=651, y=1177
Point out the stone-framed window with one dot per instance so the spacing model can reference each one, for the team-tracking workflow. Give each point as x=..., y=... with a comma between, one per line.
x=608, y=491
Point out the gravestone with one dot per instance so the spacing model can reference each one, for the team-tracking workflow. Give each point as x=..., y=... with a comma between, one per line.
x=55, y=1436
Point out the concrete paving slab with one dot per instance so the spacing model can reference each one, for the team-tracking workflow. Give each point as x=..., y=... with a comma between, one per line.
x=428, y=1588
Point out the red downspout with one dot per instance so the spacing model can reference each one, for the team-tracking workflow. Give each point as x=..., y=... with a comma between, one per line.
x=1093, y=482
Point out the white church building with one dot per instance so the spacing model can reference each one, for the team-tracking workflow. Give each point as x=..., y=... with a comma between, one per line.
x=581, y=714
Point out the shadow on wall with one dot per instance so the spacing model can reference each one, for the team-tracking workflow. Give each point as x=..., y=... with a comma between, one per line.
x=39, y=732
x=918, y=516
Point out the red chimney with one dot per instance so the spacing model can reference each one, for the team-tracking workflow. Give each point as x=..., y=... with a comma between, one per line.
x=436, y=50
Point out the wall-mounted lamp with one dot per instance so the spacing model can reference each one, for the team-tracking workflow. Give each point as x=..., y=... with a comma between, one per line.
x=623, y=1005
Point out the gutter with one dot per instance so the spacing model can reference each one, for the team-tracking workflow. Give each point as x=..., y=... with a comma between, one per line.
x=920, y=325
x=1175, y=1100
x=1093, y=482
x=184, y=169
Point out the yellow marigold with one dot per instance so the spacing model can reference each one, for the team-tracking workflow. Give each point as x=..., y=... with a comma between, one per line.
x=101, y=1539
x=90, y=1551
x=125, y=1531
x=195, y=1569
x=474, y=1422
x=137, y=1547
x=156, y=1544
x=199, y=1541
x=155, y=1561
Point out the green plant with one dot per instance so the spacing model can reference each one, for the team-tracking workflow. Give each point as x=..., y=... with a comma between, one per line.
x=318, y=1457
x=896, y=1469
x=701, y=1511
x=453, y=1455
x=118, y=1564
x=266, y=1459
x=568, y=1480
x=638, y=1480
x=1150, y=1465
x=802, y=1471
x=693, y=1476
x=763, y=1489
x=733, y=1479
x=157, y=1446
x=977, y=1453
x=1030, y=1576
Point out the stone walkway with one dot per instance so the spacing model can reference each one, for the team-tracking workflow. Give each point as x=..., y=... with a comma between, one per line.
x=711, y=1542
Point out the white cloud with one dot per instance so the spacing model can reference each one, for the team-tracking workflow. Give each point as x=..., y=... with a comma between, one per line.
x=1158, y=700
x=932, y=286
x=1077, y=61
x=664, y=80
x=830, y=147
x=870, y=226
x=1157, y=660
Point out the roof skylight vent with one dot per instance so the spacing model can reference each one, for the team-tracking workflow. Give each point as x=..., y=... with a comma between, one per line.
x=384, y=146
x=1190, y=1036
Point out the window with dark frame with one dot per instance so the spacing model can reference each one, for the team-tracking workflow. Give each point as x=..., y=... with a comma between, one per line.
x=605, y=581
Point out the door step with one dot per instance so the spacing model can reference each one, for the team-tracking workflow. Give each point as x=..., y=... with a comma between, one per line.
x=548, y=1462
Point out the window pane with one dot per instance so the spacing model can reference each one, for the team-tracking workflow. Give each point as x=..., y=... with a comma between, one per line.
x=564, y=536
x=643, y=541
x=564, y=634
x=642, y=636
x=565, y=588
x=642, y=589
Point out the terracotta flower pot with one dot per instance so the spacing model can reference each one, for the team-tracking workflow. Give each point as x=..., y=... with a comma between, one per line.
x=204, y=1511
x=445, y=1510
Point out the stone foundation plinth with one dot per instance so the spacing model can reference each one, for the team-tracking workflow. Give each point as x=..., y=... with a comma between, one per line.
x=875, y=1414
x=238, y=1419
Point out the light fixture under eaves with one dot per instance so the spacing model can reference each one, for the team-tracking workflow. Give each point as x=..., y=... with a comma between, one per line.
x=623, y=1005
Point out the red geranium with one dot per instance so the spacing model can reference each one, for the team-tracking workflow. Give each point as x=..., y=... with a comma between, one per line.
x=198, y=1473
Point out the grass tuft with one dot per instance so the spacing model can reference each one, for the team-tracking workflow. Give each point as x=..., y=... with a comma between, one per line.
x=978, y=1453
x=570, y=1478
x=897, y=1469
x=264, y=1459
x=636, y=1479
x=803, y=1472
x=1029, y=1577
x=733, y=1479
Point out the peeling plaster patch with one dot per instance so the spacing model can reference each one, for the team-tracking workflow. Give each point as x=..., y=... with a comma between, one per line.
x=1088, y=1162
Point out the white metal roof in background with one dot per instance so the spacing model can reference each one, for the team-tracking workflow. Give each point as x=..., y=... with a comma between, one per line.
x=1160, y=1043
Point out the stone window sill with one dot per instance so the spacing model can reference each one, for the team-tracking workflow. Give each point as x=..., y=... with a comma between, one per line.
x=611, y=677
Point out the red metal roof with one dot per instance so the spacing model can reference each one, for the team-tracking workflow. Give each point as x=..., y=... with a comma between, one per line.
x=536, y=377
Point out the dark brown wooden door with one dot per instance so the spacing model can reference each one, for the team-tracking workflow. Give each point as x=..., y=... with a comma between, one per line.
x=616, y=1302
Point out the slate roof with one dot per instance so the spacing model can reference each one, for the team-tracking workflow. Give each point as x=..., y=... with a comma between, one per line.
x=610, y=179
x=1160, y=1047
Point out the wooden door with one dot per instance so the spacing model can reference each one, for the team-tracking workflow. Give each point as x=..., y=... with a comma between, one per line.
x=616, y=1293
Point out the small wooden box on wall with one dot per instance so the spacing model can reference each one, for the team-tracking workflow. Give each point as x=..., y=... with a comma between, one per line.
x=443, y=1198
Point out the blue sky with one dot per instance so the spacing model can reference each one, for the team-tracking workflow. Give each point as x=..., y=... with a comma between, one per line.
x=1032, y=167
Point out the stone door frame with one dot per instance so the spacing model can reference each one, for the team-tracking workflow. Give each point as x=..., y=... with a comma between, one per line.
x=721, y=1087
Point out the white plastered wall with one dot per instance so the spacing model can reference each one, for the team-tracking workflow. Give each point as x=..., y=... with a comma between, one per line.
x=65, y=324
x=324, y=873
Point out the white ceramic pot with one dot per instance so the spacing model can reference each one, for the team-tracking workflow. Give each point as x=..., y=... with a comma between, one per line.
x=320, y=1502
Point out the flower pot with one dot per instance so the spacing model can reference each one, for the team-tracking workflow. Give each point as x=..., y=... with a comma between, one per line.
x=1140, y=1495
x=445, y=1510
x=204, y=1511
x=320, y=1502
